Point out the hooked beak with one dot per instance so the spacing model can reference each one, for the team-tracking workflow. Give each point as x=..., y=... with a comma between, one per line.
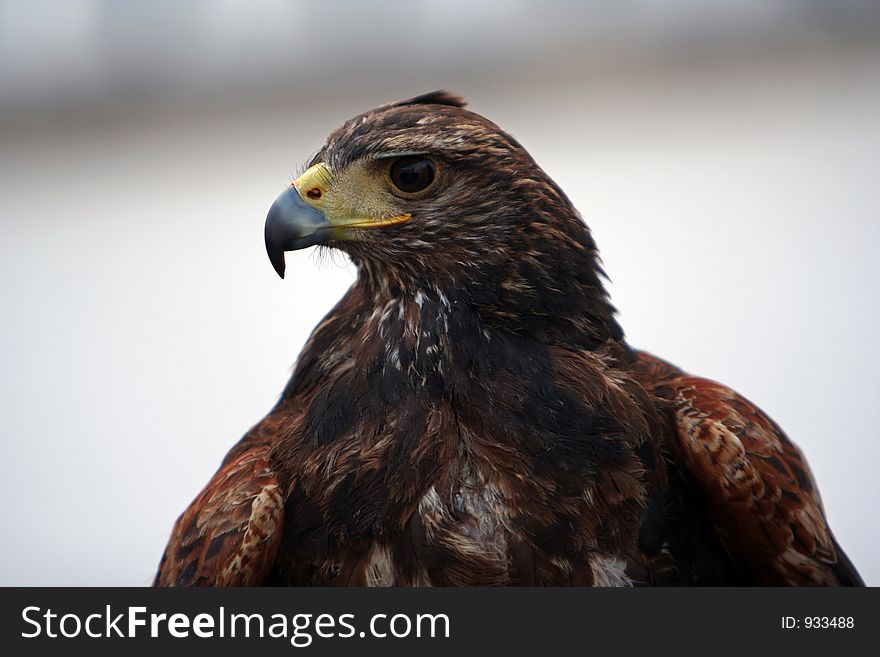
x=292, y=224
x=300, y=218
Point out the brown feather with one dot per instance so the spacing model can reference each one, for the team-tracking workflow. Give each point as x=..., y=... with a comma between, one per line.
x=764, y=501
x=230, y=533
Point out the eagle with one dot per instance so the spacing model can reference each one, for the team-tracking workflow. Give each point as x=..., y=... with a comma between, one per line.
x=470, y=412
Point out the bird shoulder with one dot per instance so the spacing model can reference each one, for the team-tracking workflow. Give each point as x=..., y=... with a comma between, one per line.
x=763, y=500
x=229, y=535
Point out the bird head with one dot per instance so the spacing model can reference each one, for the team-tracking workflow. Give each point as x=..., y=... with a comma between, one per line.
x=425, y=193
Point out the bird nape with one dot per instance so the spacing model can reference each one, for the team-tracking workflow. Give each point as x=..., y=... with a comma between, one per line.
x=470, y=413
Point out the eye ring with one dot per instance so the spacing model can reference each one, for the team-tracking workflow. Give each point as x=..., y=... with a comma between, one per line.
x=412, y=174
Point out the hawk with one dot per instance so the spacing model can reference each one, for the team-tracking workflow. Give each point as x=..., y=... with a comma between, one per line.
x=470, y=413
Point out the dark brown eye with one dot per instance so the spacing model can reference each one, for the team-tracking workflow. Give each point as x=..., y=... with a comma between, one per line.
x=412, y=173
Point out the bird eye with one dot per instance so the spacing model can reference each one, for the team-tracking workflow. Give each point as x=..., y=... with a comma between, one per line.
x=412, y=173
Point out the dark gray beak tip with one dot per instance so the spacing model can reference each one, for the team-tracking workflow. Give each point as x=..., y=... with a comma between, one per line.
x=277, y=261
x=290, y=225
x=274, y=249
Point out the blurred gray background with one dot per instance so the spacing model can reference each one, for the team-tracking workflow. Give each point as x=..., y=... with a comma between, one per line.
x=725, y=153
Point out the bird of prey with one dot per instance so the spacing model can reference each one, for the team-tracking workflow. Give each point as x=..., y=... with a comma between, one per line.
x=469, y=413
